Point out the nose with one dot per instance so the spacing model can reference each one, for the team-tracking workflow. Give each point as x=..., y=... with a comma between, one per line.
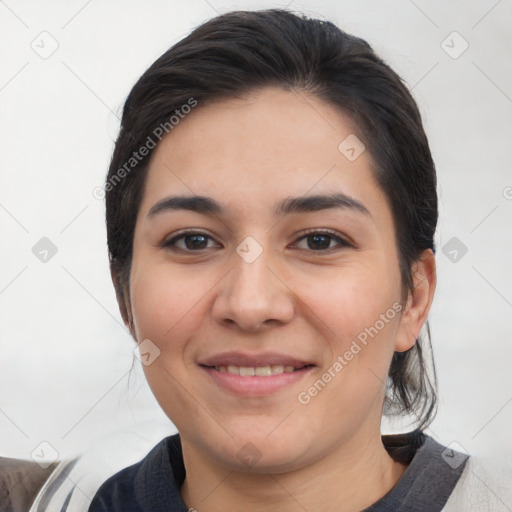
x=253, y=295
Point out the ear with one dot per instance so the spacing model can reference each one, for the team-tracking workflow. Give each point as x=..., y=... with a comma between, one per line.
x=123, y=298
x=418, y=302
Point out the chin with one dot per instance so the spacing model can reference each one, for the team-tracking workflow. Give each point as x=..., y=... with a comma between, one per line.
x=263, y=452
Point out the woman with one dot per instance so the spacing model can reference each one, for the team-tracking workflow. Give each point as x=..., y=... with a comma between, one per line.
x=271, y=210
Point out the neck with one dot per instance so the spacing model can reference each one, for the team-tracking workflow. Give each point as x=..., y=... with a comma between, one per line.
x=349, y=478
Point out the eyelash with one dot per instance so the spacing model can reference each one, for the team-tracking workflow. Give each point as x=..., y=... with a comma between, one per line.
x=170, y=244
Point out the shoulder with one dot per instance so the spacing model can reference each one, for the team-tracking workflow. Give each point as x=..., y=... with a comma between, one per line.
x=485, y=485
x=119, y=492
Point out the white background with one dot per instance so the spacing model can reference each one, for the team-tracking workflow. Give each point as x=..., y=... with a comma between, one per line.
x=65, y=358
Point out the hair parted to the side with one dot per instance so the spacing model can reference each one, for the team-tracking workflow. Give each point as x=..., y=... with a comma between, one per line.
x=240, y=51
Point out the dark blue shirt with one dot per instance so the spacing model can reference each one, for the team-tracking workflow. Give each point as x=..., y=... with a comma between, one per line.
x=153, y=484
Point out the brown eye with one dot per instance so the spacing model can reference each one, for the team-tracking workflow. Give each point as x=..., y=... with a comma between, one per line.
x=190, y=241
x=322, y=240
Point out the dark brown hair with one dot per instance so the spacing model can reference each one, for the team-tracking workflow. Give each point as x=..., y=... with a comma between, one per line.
x=240, y=51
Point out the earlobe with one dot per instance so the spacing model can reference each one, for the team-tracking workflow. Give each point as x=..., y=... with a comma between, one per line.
x=418, y=302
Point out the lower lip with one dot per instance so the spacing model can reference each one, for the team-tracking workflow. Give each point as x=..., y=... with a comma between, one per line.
x=254, y=385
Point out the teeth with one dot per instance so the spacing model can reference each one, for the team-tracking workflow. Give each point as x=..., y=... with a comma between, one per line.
x=246, y=371
x=263, y=371
x=260, y=371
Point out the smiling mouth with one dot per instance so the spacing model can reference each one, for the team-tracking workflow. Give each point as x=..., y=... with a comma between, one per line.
x=258, y=371
x=255, y=375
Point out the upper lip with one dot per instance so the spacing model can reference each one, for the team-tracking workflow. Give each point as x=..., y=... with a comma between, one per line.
x=253, y=360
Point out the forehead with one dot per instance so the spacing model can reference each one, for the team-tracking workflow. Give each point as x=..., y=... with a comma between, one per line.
x=258, y=149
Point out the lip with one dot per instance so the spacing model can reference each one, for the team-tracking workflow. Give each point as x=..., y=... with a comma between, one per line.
x=255, y=386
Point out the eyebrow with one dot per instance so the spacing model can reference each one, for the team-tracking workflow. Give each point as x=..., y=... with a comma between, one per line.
x=208, y=206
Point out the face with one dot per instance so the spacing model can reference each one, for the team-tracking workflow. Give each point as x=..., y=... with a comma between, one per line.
x=273, y=306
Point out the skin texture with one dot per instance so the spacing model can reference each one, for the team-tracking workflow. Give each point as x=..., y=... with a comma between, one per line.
x=293, y=299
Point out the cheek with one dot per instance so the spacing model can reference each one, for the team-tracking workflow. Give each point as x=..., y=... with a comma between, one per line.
x=352, y=299
x=359, y=320
x=168, y=307
x=166, y=304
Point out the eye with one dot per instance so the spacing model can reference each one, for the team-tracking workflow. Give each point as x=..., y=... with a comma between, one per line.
x=320, y=241
x=196, y=241
x=189, y=241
